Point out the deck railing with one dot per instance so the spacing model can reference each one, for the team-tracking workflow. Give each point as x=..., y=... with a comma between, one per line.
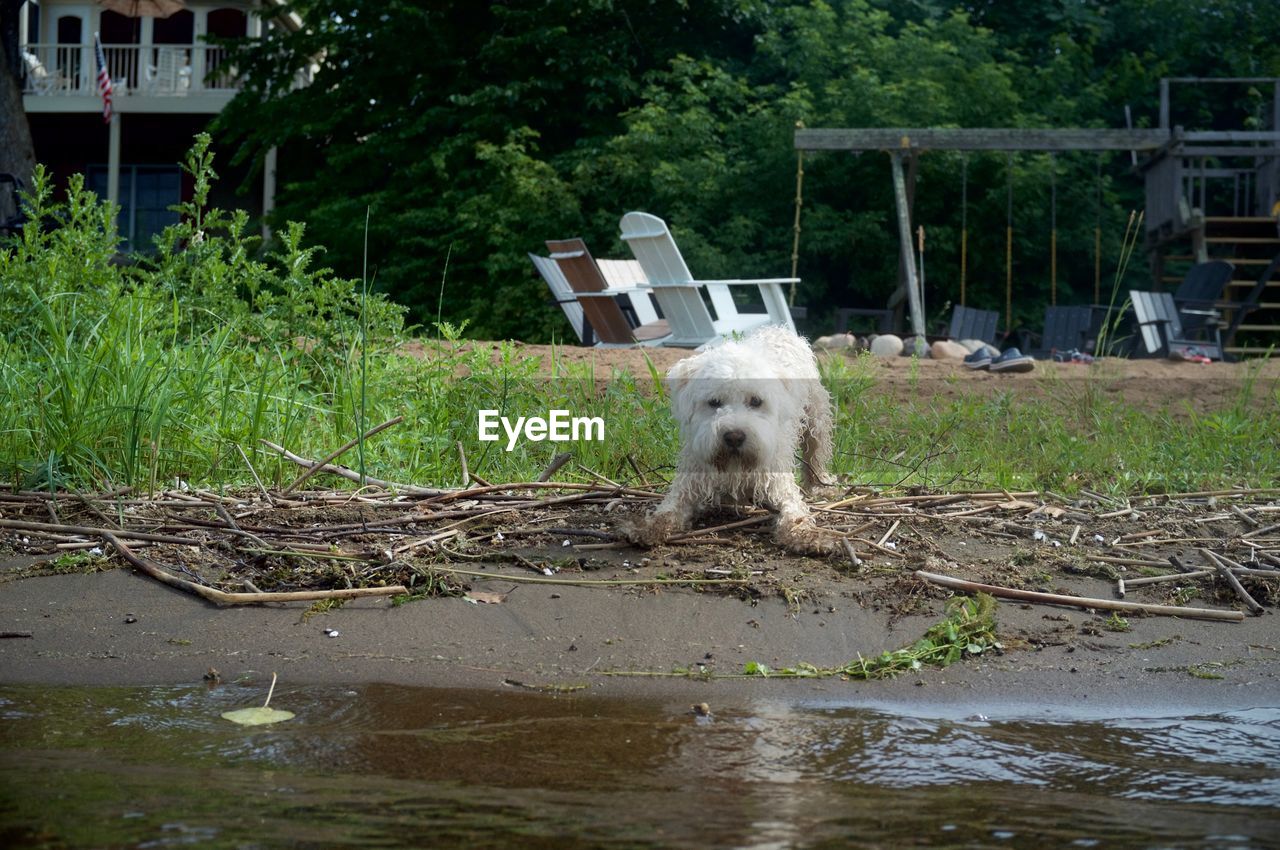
x=145, y=69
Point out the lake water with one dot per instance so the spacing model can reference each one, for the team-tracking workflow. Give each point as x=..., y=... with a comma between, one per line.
x=387, y=766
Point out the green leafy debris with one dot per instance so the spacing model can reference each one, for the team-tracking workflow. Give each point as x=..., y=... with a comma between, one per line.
x=968, y=629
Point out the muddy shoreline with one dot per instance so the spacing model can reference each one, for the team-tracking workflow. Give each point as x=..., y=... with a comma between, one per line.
x=121, y=628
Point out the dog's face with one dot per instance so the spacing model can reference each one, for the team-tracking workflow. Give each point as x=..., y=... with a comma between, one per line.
x=732, y=410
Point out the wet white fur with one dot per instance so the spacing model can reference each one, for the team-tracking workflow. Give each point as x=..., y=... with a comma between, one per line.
x=766, y=388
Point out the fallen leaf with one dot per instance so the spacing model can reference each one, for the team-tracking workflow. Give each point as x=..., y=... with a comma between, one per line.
x=486, y=597
x=257, y=716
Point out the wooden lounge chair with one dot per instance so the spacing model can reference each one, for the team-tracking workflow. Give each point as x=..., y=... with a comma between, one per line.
x=680, y=295
x=1161, y=329
x=593, y=292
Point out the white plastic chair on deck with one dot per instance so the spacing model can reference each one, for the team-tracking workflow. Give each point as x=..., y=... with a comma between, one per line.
x=679, y=295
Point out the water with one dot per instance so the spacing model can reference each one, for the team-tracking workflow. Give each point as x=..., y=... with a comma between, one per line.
x=385, y=766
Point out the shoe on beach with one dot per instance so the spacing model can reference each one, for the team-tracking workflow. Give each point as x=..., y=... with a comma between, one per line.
x=1012, y=360
x=979, y=359
x=1072, y=356
x=1191, y=354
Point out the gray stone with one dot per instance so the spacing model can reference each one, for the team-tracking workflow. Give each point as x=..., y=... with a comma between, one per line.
x=915, y=345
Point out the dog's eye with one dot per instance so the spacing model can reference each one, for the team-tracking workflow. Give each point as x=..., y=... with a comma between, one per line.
x=755, y=401
x=715, y=403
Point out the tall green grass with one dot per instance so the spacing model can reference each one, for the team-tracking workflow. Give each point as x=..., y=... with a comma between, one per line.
x=168, y=369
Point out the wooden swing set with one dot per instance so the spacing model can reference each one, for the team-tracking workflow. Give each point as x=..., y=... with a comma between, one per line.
x=905, y=145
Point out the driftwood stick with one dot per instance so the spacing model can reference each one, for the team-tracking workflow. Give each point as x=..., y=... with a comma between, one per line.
x=1078, y=601
x=90, y=531
x=728, y=526
x=1225, y=571
x=1132, y=562
x=1244, y=517
x=462, y=461
x=219, y=597
x=853, y=556
x=618, y=582
x=1134, y=582
x=254, y=473
x=334, y=455
x=1258, y=532
x=554, y=467
x=351, y=475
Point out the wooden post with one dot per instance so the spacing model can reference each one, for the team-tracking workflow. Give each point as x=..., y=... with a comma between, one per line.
x=113, y=164
x=904, y=240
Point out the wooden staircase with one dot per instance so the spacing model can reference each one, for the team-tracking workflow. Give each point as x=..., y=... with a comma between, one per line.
x=1249, y=243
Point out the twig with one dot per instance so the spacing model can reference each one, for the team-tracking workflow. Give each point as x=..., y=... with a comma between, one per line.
x=1132, y=562
x=89, y=531
x=1134, y=582
x=462, y=460
x=254, y=473
x=1224, y=570
x=715, y=529
x=553, y=467
x=1244, y=517
x=351, y=475
x=341, y=451
x=853, y=556
x=586, y=582
x=1258, y=532
x=220, y=597
x=597, y=476
x=1075, y=535
x=885, y=537
x=1078, y=601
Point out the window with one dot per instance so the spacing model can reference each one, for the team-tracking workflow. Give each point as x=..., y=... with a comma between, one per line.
x=146, y=193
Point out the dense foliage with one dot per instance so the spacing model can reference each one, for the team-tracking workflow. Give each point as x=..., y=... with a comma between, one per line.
x=185, y=368
x=474, y=131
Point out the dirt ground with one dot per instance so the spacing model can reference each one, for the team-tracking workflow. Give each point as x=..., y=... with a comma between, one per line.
x=507, y=590
x=1151, y=384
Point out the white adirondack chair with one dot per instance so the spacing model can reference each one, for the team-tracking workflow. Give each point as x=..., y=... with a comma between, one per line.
x=627, y=276
x=679, y=294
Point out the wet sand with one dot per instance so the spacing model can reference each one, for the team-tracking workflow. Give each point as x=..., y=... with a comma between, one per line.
x=122, y=628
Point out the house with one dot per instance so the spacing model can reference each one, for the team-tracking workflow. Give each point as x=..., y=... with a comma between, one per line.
x=168, y=83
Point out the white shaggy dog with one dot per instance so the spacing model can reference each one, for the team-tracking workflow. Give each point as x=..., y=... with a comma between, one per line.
x=744, y=408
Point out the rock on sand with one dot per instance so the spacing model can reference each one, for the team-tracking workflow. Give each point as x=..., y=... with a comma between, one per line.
x=886, y=345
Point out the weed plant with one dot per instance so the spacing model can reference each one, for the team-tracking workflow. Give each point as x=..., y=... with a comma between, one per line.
x=164, y=369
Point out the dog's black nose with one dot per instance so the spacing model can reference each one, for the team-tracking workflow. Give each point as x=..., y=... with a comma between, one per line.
x=734, y=439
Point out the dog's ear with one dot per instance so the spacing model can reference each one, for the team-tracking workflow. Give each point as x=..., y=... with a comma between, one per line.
x=677, y=381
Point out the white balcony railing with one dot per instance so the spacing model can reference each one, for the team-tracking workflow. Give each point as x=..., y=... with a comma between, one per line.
x=143, y=69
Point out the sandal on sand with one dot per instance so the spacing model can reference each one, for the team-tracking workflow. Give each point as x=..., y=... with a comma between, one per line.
x=1072, y=356
x=979, y=359
x=1012, y=360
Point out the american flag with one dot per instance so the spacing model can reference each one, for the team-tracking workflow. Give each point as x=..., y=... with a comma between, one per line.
x=104, y=79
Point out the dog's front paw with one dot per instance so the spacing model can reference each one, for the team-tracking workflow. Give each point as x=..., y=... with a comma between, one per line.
x=652, y=530
x=803, y=537
x=826, y=492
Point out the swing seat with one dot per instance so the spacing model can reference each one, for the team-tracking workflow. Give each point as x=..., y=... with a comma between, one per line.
x=1070, y=328
x=969, y=323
